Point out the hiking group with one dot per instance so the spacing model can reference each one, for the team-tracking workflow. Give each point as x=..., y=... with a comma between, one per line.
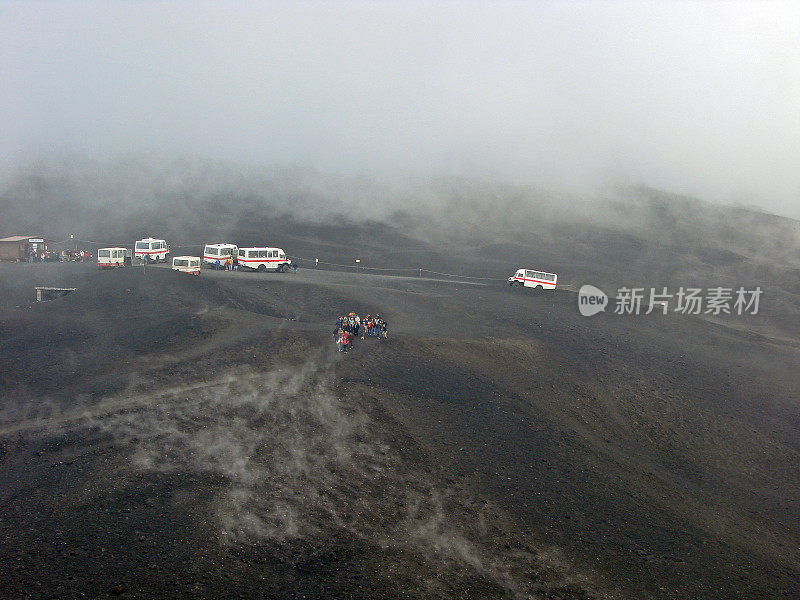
x=225, y=265
x=351, y=326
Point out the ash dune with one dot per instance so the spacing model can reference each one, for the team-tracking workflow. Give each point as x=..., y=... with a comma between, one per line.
x=162, y=435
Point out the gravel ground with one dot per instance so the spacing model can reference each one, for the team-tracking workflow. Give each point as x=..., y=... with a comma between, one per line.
x=169, y=436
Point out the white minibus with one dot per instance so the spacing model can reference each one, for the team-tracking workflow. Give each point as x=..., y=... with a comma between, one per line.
x=533, y=279
x=219, y=252
x=186, y=264
x=110, y=257
x=151, y=249
x=264, y=259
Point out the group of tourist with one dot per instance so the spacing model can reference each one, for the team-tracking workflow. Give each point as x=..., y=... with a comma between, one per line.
x=226, y=264
x=349, y=327
x=34, y=256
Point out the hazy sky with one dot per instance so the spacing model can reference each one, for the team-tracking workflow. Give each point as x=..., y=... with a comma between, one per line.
x=693, y=97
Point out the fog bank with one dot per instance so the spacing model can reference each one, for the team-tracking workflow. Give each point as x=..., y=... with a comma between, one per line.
x=694, y=98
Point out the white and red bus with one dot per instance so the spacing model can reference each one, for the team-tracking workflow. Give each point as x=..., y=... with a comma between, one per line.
x=264, y=259
x=219, y=252
x=186, y=264
x=151, y=249
x=533, y=279
x=110, y=257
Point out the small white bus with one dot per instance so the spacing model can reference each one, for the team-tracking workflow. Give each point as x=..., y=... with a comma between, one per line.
x=110, y=257
x=264, y=259
x=533, y=279
x=186, y=264
x=219, y=252
x=151, y=249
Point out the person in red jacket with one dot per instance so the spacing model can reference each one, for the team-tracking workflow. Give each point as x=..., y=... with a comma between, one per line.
x=346, y=335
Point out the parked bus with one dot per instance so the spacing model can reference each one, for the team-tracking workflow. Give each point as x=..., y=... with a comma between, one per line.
x=111, y=257
x=264, y=259
x=533, y=279
x=186, y=264
x=151, y=249
x=220, y=252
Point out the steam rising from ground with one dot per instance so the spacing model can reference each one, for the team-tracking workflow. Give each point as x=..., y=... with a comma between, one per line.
x=297, y=463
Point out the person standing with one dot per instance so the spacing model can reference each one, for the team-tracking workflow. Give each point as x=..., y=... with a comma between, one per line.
x=346, y=340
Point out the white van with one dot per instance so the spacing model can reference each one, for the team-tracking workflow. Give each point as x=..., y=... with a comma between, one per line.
x=111, y=257
x=151, y=249
x=533, y=279
x=219, y=252
x=186, y=264
x=264, y=259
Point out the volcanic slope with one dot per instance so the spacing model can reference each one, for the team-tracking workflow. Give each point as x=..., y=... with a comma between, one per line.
x=163, y=435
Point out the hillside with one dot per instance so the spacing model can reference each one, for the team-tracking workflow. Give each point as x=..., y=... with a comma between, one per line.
x=163, y=435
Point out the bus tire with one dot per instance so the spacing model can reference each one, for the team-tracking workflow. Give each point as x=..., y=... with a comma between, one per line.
x=262, y=267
